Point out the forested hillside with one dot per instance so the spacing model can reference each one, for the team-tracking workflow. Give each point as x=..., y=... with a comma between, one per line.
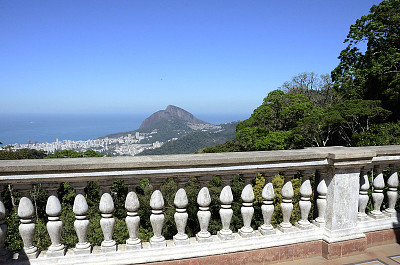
x=194, y=141
x=358, y=104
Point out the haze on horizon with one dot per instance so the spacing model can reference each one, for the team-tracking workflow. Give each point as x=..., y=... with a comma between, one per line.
x=140, y=56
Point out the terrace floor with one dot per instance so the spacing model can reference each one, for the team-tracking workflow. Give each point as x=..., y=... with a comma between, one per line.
x=384, y=254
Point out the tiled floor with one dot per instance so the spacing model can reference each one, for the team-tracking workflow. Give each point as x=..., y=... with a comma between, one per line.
x=385, y=254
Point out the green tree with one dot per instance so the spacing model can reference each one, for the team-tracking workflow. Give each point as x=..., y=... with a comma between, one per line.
x=357, y=116
x=373, y=74
x=318, y=88
x=7, y=153
x=319, y=127
x=379, y=134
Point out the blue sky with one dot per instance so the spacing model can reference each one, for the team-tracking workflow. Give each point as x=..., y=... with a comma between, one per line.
x=140, y=56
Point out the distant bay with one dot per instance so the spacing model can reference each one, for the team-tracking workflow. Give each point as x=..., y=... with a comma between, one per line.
x=21, y=128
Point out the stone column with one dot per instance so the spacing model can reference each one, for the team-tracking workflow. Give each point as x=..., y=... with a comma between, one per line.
x=342, y=203
x=4, y=254
x=107, y=223
x=204, y=215
x=392, y=195
x=226, y=212
x=247, y=211
x=157, y=219
x=363, y=197
x=322, y=190
x=26, y=212
x=377, y=194
x=305, y=203
x=132, y=221
x=267, y=208
x=81, y=223
x=181, y=217
x=54, y=226
x=287, y=205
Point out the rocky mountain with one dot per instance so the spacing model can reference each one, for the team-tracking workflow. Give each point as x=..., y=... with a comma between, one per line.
x=178, y=116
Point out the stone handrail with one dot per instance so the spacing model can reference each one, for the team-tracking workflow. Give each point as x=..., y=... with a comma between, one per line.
x=341, y=200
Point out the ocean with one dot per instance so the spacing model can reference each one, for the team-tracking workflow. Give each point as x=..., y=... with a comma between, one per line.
x=21, y=128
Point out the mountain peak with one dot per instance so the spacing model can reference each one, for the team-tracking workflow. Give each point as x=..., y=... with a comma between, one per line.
x=171, y=112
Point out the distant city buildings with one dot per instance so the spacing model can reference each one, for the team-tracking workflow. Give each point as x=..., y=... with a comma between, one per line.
x=124, y=145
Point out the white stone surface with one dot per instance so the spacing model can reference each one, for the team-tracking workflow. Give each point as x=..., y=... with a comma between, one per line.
x=226, y=213
x=322, y=190
x=107, y=223
x=204, y=215
x=54, y=227
x=392, y=194
x=286, y=205
x=305, y=203
x=157, y=219
x=27, y=227
x=342, y=202
x=363, y=198
x=132, y=221
x=81, y=225
x=4, y=254
x=267, y=208
x=181, y=216
x=377, y=194
x=247, y=211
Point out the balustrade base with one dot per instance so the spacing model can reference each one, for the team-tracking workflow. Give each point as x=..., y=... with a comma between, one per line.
x=133, y=247
x=318, y=224
x=305, y=226
x=391, y=213
x=56, y=253
x=24, y=255
x=377, y=216
x=158, y=244
x=285, y=229
x=247, y=234
x=343, y=248
x=109, y=249
x=204, y=239
x=363, y=218
x=266, y=231
x=82, y=251
x=180, y=242
x=225, y=236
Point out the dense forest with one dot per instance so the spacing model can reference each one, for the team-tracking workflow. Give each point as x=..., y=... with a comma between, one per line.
x=355, y=105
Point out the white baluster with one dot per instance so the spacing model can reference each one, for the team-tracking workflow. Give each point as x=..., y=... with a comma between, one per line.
x=247, y=211
x=377, y=194
x=204, y=215
x=226, y=212
x=287, y=205
x=107, y=223
x=157, y=220
x=54, y=227
x=305, y=203
x=363, y=197
x=392, y=195
x=27, y=227
x=322, y=190
x=4, y=254
x=181, y=217
x=267, y=208
x=132, y=221
x=81, y=224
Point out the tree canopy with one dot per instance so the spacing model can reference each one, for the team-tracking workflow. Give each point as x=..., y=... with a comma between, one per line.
x=369, y=66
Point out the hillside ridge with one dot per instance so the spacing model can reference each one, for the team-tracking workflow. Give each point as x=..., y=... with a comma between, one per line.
x=171, y=112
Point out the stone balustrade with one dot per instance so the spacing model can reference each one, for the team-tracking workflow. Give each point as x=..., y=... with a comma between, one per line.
x=342, y=181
